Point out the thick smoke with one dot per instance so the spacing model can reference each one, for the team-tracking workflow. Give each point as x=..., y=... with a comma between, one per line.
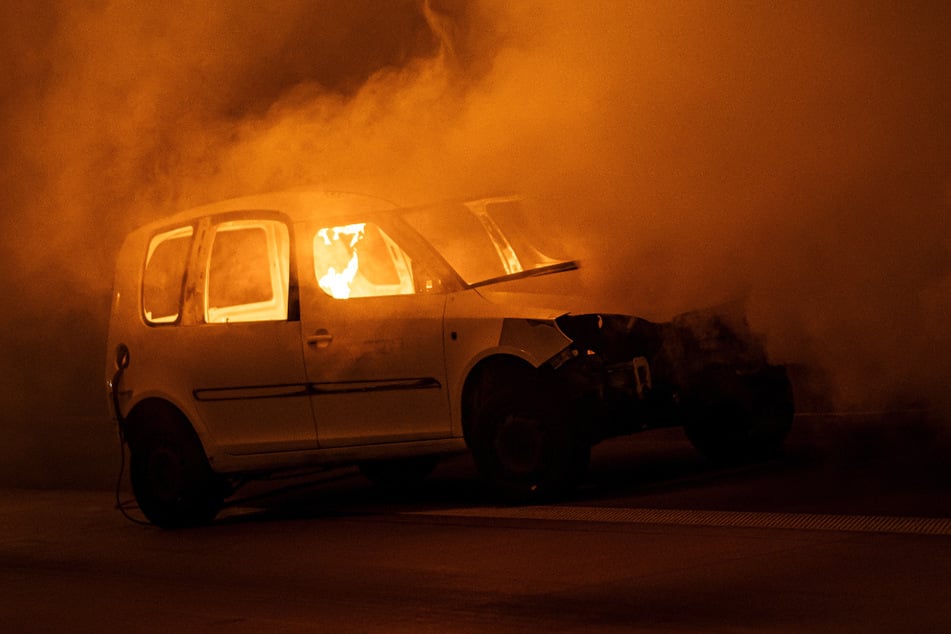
x=793, y=155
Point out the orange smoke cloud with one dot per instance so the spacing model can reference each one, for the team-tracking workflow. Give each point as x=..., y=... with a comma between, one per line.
x=794, y=155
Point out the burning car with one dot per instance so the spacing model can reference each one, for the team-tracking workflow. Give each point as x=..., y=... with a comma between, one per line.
x=301, y=329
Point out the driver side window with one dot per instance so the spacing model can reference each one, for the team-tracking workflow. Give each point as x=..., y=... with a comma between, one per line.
x=360, y=260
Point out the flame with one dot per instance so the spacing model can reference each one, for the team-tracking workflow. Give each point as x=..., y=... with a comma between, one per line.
x=334, y=283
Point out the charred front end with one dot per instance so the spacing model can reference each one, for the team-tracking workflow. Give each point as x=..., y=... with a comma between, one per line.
x=703, y=370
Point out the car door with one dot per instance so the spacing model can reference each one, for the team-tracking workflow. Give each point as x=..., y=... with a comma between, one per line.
x=372, y=324
x=244, y=362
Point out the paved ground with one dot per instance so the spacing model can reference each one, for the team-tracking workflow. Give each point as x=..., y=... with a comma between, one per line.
x=849, y=532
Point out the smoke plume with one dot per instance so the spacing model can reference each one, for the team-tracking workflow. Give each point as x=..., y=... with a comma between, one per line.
x=792, y=155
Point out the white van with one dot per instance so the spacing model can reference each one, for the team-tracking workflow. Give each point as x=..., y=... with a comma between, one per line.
x=295, y=329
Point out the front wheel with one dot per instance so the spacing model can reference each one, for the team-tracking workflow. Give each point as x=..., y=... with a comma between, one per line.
x=526, y=444
x=171, y=479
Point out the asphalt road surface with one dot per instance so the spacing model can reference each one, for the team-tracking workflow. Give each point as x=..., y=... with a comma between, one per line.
x=850, y=531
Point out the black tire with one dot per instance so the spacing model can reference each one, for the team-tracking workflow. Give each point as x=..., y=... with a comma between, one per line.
x=399, y=473
x=733, y=418
x=526, y=444
x=171, y=479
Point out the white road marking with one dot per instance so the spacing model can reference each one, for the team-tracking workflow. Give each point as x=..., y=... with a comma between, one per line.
x=731, y=519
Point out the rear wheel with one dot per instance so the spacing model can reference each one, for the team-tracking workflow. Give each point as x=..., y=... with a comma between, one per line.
x=172, y=481
x=525, y=442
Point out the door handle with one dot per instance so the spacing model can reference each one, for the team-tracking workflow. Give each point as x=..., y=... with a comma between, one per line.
x=320, y=338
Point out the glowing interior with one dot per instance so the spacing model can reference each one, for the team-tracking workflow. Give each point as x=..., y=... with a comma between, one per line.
x=247, y=277
x=360, y=260
x=336, y=283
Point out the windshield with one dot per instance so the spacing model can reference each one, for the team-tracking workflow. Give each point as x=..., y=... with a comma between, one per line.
x=487, y=240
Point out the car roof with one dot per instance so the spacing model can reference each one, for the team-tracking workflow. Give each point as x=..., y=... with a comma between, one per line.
x=298, y=205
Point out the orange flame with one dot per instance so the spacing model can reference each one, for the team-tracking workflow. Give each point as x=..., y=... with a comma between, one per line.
x=337, y=283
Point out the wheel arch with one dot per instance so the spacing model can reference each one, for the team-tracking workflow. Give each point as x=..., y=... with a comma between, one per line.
x=156, y=409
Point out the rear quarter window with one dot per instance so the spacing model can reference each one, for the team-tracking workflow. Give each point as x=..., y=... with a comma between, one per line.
x=164, y=275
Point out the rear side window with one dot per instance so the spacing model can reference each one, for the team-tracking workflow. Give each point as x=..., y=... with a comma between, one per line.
x=248, y=272
x=164, y=275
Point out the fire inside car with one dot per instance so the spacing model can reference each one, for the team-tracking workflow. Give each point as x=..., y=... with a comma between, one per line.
x=360, y=260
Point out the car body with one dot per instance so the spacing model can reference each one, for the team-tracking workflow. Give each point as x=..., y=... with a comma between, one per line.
x=295, y=329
